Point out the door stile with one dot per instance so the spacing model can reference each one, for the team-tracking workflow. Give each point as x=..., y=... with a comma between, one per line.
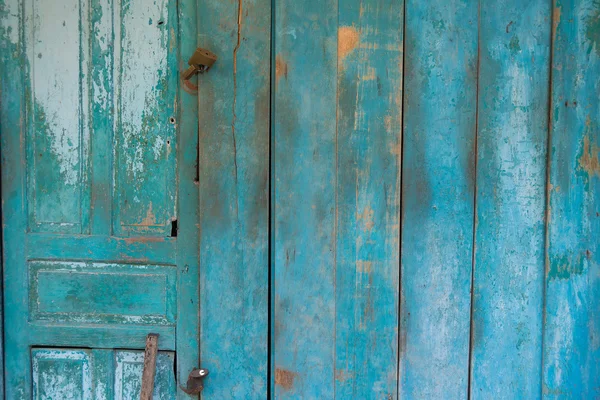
x=14, y=222
x=188, y=235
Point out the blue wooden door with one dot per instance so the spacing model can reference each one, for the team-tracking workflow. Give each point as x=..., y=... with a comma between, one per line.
x=99, y=150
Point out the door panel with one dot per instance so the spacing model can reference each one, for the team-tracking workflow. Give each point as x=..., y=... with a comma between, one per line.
x=145, y=95
x=65, y=374
x=92, y=183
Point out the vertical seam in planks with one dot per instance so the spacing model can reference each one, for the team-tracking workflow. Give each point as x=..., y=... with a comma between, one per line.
x=270, y=219
x=547, y=191
x=335, y=185
x=401, y=208
x=474, y=247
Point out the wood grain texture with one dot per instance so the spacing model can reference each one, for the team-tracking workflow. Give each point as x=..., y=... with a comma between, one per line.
x=437, y=197
x=572, y=331
x=234, y=99
x=368, y=152
x=336, y=172
x=303, y=199
x=14, y=215
x=511, y=180
x=188, y=235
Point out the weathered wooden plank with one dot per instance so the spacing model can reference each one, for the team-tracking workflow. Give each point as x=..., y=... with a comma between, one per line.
x=510, y=203
x=146, y=84
x=303, y=198
x=14, y=218
x=100, y=336
x=159, y=250
x=188, y=236
x=571, y=366
x=103, y=377
x=102, y=117
x=368, y=198
x=437, y=197
x=233, y=166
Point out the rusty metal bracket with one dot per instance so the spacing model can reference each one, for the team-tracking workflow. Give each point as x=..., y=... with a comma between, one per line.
x=149, y=366
x=194, y=383
x=199, y=62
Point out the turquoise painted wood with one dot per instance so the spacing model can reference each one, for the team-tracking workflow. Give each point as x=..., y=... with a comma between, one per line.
x=100, y=203
x=571, y=367
x=304, y=199
x=508, y=275
x=438, y=182
x=234, y=114
x=336, y=198
x=373, y=199
x=368, y=161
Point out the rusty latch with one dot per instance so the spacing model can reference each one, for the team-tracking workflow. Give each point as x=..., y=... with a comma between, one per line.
x=199, y=62
x=194, y=382
x=149, y=366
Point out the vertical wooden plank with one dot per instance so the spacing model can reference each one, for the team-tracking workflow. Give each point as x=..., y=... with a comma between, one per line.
x=188, y=237
x=102, y=122
x=9, y=110
x=303, y=197
x=368, y=198
x=234, y=114
x=14, y=218
x=511, y=179
x=572, y=319
x=103, y=374
x=437, y=194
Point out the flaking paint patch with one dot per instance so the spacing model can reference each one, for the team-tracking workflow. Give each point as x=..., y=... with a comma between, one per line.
x=555, y=21
x=366, y=217
x=348, y=39
x=588, y=161
x=284, y=378
x=592, y=27
x=150, y=218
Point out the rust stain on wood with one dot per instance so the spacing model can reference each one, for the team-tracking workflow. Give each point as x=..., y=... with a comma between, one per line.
x=348, y=39
x=144, y=239
x=284, y=378
x=589, y=158
x=281, y=68
x=555, y=21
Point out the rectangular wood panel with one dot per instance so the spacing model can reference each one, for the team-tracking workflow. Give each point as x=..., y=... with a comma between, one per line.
x=440, y=87
x=234, y=102
x=95, y=293
x=571, y=367
x=145, y=184
x=100, y=374
x=511, y=180
x=368, y=149
x=57, y=116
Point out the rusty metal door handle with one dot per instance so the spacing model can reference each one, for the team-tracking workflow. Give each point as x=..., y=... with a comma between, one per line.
x=194, y=383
